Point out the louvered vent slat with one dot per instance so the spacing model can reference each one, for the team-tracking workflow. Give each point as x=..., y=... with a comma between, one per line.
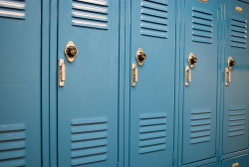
x=200, y=126
x=12, y=145
x=202, y=23
x=152, y=132
x=154, y=16
x=90, y=14
x=13, y=9
x=236, y=121
x=238, y=32
x=89, y=140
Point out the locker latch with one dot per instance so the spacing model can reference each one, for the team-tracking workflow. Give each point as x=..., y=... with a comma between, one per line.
x=187, y=75
x=134, y=77
x=62, y=72
x=227, y=76
x=236, y=165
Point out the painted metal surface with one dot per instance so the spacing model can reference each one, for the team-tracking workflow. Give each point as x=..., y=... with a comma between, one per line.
x=88, y=102
x=20, y=83
x=210, y=165
x=236, y=94
x=240, y=160
x=199, y=110
x=152, y=99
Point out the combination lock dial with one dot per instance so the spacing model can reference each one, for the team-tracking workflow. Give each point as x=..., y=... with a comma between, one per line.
x=140, y=57
x=71, y=51
x=230, y=63
x=192, y=60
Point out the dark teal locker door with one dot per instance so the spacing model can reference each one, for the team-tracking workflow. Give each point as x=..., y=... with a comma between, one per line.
x=152, y=98
x=199, y=110
x=236, y=93
x=20, y=83
x=87, y=103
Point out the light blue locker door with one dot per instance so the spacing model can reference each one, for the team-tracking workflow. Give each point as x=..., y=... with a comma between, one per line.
x=20, y=83
x=87, y=104
x=236, y=93
x=152, y=99
x=199, y=111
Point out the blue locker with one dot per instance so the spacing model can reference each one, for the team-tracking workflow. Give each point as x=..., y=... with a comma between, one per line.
x=199, y=97
x=239, y=161
x=152, y=96
x=236, y=92
x=88, y=101
x=20, y=83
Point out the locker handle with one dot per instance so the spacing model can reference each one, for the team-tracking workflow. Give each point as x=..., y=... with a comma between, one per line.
x=134, y=74
x=187, y=75
x=62, y=72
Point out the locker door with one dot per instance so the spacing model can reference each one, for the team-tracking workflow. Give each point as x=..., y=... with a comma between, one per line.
x=87, y=103
x=152, y=99
x=20, y=83
x=199, y=111
x=236, y=93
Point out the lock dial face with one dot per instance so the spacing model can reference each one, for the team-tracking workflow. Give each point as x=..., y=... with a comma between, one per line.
x=140, y=57
x=192, y=60
x=230, y=63
x=71, y=51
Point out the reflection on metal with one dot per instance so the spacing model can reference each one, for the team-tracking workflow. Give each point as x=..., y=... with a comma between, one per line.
x=203, y=1
x=71, y=51
x=230, y=63
x=134, y=77
x=227, y=76
x=140, y=56
x=192, y=60
x=187, y=75
x=238, y=9
x=62, y=72
x=236, y=165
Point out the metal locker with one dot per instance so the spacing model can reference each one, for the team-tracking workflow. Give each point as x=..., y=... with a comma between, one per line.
x=235, y=83
x=152, y=83
x=200, y=87
x=239, y=161
x=20, y=83
x=88, y=34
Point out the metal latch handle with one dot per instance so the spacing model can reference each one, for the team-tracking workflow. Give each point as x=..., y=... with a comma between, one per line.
x=187, y=75
x=62, y=72
x=134, y=75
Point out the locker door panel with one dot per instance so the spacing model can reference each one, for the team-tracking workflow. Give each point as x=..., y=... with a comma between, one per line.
x=236, y=161
x=236, y=93
x=20, y=83
x=152, y=105
x=199, y=111
x=87, y=103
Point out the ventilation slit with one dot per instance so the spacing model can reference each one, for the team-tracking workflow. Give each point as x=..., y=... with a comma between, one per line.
x=154, y=15
x=90, y=14
x=236, y=121
x=12, y=145
x=238, y=32
x=152, y=132
x=202, y=23
x=13, y=9
x=200, y=126
x=89, y=140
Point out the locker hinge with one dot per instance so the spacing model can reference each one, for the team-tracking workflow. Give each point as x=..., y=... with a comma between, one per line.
x=117, y=164
x=62, y=72
x=227, y=76
x=187, y=75
x=134, y=76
